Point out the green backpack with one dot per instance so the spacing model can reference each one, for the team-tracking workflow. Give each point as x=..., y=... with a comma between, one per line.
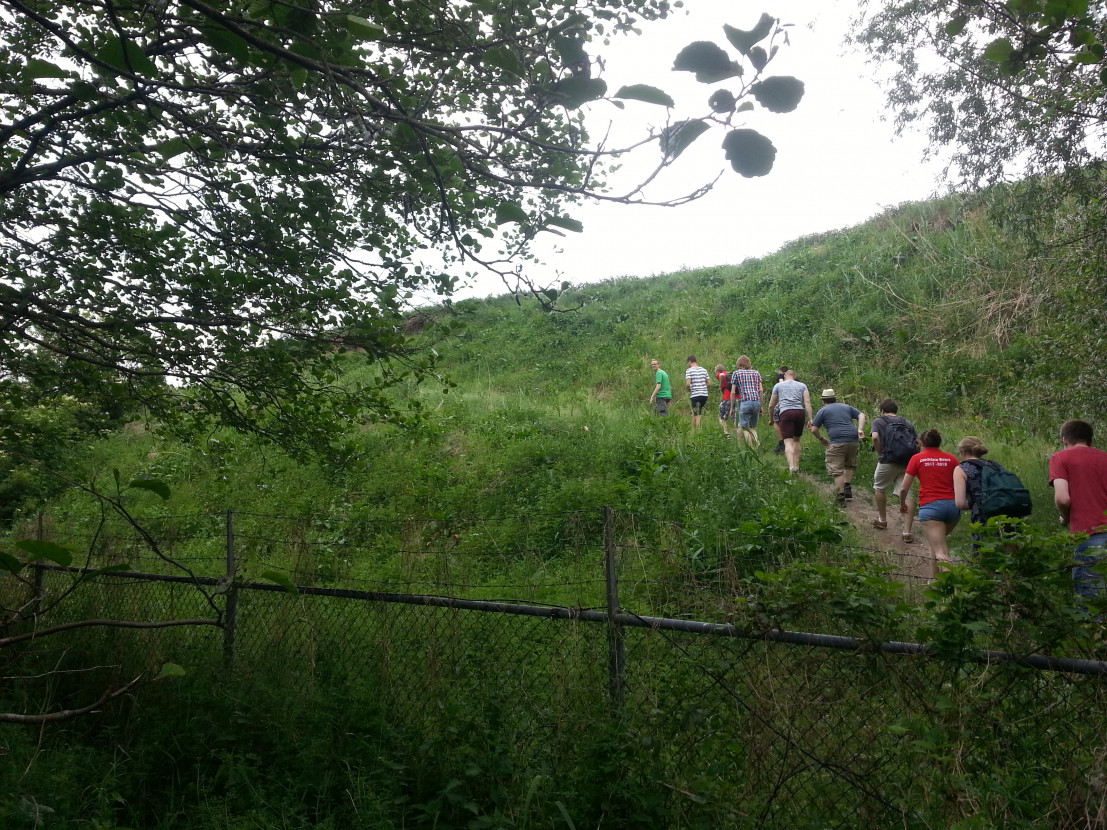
x=1001, y=492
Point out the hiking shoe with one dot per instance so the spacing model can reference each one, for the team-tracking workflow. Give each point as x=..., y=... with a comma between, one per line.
x=779, y=447
x=847, y=491
x=879, y=525
x=908, y=538
x=840, y=499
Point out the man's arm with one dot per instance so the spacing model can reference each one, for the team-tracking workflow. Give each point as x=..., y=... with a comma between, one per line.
x=656, y=389
x=1063, y=499
x=772, y=405
x=807, y=403
x=861, y=425
x=877, y=445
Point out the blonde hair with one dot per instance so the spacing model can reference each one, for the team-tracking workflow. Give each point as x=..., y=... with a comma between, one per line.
x=971, y=445
x=720, y=367
x=744, y=362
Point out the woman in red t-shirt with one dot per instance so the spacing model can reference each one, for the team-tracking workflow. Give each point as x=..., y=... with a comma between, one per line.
x=938, y=511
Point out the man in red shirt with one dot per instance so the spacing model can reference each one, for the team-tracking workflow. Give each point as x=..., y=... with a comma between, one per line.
x=1078, y=475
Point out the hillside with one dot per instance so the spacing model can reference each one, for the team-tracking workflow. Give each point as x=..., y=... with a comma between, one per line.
x=377, y=713
x=546, y=411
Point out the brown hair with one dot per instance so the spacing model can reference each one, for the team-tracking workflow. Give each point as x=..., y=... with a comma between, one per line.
x=931, y=438
x=889, y=406
x=971, y=445
x=1077, y=432
x=744, y=362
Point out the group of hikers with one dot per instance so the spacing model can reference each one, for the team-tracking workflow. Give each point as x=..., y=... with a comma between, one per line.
x=948, y=484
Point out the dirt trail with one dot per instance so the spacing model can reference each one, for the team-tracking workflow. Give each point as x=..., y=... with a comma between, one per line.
x=910, y=558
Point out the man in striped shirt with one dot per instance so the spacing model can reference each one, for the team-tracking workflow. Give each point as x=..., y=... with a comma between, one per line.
x=696, y=379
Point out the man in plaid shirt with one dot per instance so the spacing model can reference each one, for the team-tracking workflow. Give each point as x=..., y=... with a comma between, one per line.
x=747, y=389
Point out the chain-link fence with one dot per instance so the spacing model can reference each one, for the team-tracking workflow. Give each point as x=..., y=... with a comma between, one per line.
x=705, y=723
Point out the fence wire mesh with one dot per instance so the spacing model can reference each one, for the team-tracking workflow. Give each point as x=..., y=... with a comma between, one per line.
x=723, y=730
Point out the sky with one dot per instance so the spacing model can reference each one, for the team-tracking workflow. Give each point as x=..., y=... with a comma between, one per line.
x=838, y=163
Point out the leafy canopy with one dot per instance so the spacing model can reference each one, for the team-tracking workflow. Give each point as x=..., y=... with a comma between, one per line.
x=206, y=201
x=1010, y=88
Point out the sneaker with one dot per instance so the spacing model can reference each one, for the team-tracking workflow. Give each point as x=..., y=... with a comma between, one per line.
x=779, y=447
x=908, y=538
x=879, y=525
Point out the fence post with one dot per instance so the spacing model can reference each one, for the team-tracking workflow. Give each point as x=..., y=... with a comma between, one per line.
x=616, y=636
x=230, y=617
x=40, y=572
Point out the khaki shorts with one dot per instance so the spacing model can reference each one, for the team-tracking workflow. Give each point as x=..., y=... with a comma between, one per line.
x=889, y=477
x=841, y=457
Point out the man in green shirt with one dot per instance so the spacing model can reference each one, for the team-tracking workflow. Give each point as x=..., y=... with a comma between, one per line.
x=662, y=391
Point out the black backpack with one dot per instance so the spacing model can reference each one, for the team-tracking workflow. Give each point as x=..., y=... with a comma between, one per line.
x=899, y=441
x=1001, y=492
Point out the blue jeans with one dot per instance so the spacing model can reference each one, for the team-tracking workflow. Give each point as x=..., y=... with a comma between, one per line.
x=1087, y=583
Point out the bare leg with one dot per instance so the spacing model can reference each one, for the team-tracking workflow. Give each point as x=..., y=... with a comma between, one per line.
x=881, y=499
x=792, y=452
x=936, y=533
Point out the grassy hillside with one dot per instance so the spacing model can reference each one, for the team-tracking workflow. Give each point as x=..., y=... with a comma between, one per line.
x=542, y=419
x=544, y=412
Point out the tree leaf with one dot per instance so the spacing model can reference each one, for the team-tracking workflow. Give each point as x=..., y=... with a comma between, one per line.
x=749, y=152
x=759, y=58
x=281, y=578
x=169, y=670
x=38, y=68
x=710, y=63
x=722, y=100
x=565, y=222
x=574, y=92
x=676, y=139
x=957, y=25
x=46, y=550
x=780, y=93
x=362, y=29
x=9, y=563
x=505, y=59
x=649, y=94
x=226, y=42
x=743, y=40
x=510, y=212
x=999, y=50
x=126, y=56
x=153, y=485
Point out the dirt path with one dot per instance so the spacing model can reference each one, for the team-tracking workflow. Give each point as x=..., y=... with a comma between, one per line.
x=910, y=558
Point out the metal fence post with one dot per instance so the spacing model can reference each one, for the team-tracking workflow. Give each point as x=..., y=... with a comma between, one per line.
x=230, y=617
x=616, y=635
x=40, y=572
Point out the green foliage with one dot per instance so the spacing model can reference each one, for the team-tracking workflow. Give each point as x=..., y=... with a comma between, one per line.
x=207, y=221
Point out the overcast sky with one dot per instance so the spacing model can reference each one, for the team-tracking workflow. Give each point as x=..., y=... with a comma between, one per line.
x=837, y=163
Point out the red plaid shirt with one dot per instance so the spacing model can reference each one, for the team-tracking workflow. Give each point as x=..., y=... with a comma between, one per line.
x=746, y=384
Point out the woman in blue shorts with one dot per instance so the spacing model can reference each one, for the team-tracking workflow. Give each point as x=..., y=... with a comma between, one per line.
x=938, y=511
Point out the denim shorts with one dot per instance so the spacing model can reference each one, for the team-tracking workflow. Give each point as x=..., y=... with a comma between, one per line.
x=1086, y=582
x=748, y=412
x=942, y=510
